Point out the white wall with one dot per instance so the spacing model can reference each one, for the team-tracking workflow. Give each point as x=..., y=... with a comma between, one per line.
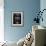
x=1, y=20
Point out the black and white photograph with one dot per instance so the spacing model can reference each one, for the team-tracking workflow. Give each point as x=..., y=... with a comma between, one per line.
x=17, y=18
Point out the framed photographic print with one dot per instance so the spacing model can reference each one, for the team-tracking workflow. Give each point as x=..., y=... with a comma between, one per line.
x=17, y=18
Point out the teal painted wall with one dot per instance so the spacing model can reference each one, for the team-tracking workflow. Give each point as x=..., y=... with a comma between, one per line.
x=29, y=7
x=43, y=6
